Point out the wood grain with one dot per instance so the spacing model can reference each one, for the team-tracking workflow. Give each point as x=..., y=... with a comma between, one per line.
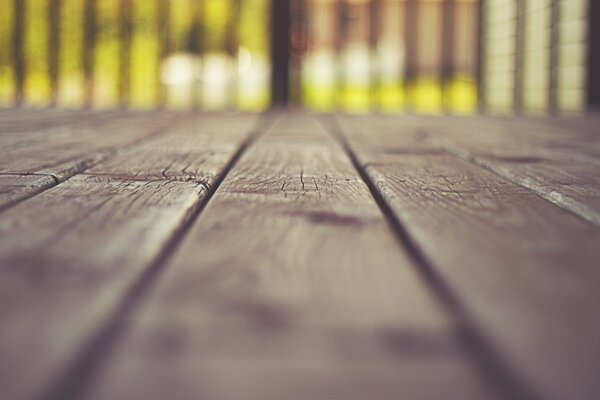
x=59, y=153
x=290, y=285
x=525, y=271
x=70, y=255
x=189, y=152
x=561, y=165
x=26, y=120
x=16, y=187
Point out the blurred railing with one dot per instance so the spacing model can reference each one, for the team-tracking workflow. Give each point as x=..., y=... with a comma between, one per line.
x=429, y=56
x=415, y=55
x=135, y=53
x=535, y=56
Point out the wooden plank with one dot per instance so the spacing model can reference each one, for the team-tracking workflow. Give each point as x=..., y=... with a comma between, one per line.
x=289, y=285
x=24, y=120
x=14, y=188
x=522, y=270
x=62, y=152
x=70, y=256
x=557, y=162
x=560, y=165
x=579, y=134
x=176, y=156
x=567, y=183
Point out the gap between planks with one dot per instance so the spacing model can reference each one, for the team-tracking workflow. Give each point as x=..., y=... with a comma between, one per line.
x=565, y=203
x=572, y=197
x=76, y=377
x=500, y=376
x=80, y=163
x=500, y=248
x=293, y=295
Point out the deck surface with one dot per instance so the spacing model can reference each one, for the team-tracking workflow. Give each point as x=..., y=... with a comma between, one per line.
x=227, y=256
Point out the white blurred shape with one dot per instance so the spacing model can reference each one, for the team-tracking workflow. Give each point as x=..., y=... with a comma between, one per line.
x=244, y=59
x=180, y=69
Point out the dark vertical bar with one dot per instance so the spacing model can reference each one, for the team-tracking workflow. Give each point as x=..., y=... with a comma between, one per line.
x=593, y=56
x=163, y=17
x=231, y=47
x=411, y=14
x=125, y=37
x=298, y=48
x=54, y=7
x=89, y=47
x=519, y=65
x=481, y=54
x=448, y=49
x=18, y=50
x=374, y=66
x=554, y=56
x=280, y=52
x=196, y=46
x=341, y=24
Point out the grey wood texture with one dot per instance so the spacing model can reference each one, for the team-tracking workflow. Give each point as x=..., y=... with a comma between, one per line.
x=16, y=187
x=169, y=255
x=55, y=154
x=290, y=285
x=560, y=164
x=524, y=270
x=26, y=120
x=70, y=255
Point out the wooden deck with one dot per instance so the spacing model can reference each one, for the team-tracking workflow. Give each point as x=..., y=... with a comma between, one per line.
x=287, y=256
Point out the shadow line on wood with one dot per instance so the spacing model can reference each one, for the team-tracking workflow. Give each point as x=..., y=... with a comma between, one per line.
x=77, y=376
x=501, y=377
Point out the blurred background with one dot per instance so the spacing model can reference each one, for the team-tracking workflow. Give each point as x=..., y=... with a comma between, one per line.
x=418, y=56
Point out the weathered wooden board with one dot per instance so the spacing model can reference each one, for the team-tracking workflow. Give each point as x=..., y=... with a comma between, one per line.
x=61, y=152
x=18, y=187
x=560, y=165
x=290, y=285
x=70, y=255
x=525, y=271
x=570, y=184
x=584, y=127
x=26, y=120
x=189, y=152
x=61, y=149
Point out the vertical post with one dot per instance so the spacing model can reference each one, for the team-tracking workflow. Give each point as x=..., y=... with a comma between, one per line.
x=299, y=37
x=411, y=15
x=125, y=37
x=448, y=49
x=481, y=55
x=280, y=52
x=374, y=61
x=231, y=47
x=18, y=50
x=88, y=52
x=162, y=18
x=196, y=46
x=593, y=56
x=341, y=25
x=519, y=66
x=554, y=56
x=54, y=7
